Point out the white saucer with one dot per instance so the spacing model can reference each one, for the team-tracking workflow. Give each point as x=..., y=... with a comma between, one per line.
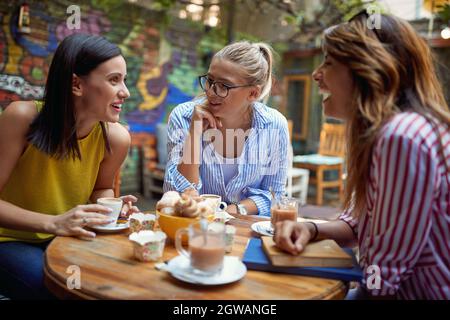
x=233, y=270
x=118, y=227
x=264, y=228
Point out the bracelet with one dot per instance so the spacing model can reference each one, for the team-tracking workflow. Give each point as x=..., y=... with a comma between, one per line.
x=316, y=233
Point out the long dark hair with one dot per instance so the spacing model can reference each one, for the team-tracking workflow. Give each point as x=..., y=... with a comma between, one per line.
x=394, y=72
x=53, y=131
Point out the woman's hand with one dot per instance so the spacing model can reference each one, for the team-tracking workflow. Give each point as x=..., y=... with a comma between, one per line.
x=128, y=207
x=72, y=222
x=291, y=236
x=205, y=117
x=232, y=208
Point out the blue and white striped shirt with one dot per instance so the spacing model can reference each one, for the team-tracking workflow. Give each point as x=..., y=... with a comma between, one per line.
x=262, y=164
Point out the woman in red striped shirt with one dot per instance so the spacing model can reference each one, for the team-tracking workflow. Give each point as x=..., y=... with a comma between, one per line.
x=382, y=83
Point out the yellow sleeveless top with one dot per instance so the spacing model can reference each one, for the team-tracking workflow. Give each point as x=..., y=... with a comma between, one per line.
x=46, y=185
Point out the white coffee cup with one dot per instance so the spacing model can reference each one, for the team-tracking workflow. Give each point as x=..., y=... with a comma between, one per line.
x=115, y=204
x=214, y=201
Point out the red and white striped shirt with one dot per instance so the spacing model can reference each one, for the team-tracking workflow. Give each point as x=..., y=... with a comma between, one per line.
x=405, y=230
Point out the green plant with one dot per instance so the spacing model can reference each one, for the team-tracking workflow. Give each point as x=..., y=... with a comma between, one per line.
x=444, y=13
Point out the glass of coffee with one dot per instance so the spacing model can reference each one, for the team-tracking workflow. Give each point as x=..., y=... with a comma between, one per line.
x=283, y=208
x=206, y=246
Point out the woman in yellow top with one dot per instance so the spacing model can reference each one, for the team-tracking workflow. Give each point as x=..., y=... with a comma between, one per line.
x=58, y=157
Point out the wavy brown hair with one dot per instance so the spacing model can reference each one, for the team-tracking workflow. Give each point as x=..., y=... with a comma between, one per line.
x=393, y=71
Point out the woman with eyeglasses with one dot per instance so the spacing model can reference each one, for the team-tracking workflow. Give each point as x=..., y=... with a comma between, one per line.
x=58, y=157
x=227, y=142
x=397, y=207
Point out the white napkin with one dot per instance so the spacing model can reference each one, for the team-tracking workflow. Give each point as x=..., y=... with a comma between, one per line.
x=222, y=216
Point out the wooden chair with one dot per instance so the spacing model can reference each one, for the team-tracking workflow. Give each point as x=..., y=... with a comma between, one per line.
x=152, y=176
x=330, y=157
x=117, y=177
x=152, y=172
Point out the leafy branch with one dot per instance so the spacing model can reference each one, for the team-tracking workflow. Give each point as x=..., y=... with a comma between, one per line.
x=307, y=27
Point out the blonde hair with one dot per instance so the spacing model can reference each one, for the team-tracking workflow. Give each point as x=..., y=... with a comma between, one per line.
x=393, y=72
x=256, y=61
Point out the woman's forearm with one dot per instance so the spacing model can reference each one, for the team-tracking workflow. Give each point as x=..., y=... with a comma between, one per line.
x=190, y=171
x=249, y=205
x=338, y=230
x=16, y=218
x=189, y=166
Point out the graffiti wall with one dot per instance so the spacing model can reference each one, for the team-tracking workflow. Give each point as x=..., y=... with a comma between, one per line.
x=162, y=62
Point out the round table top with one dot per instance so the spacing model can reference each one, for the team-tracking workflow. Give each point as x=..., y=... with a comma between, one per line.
x=108, y=270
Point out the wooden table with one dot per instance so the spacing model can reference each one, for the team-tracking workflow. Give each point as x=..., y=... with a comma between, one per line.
x=109, y=271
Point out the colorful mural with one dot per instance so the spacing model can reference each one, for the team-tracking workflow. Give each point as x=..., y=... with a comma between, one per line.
x=162, y=66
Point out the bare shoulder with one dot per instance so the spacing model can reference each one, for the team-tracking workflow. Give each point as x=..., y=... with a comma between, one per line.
x=22, y=111
x=118, y=135
x=17, y=117
x=14, y=125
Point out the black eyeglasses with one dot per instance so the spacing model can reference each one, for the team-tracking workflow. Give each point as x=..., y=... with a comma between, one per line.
x=219, y=88
x=363, y=13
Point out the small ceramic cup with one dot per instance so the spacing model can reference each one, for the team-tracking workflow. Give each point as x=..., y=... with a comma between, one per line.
x=115, y=204
x=214, y=201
